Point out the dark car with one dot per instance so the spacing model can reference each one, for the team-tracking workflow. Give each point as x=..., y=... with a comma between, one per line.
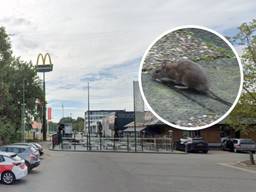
x=227, y=144
x=192, y=145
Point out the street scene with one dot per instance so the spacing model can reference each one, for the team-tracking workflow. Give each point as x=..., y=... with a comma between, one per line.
x=73, y=115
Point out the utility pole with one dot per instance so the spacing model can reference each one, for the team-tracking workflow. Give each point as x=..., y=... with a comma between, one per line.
x=23, y=111
x=88, y=118
x=62, y=106
x=134, y=107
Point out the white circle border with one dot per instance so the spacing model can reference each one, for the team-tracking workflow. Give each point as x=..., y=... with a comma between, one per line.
x=237, y=58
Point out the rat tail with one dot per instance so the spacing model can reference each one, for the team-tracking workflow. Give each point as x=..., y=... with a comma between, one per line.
x=217, y=98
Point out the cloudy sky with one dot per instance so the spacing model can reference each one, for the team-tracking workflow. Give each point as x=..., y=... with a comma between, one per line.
x=104, y=41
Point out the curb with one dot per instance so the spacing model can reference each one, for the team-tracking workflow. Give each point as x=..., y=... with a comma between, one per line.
x=131, y=152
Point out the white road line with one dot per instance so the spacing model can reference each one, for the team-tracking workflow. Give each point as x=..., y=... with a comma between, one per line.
x=235, y=167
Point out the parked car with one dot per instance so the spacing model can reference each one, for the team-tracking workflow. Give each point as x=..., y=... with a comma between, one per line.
x=32, y=145
x=227, y=144
x=192, y=145
x=244, y=145
x=239, y=145
x=40, y=148
x=28, y=153
x=12, y=167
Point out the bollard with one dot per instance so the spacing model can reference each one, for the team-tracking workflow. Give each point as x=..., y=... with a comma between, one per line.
x=128, y=149
x=251, y=158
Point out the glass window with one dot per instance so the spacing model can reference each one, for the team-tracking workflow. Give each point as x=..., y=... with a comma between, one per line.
x=1, y=158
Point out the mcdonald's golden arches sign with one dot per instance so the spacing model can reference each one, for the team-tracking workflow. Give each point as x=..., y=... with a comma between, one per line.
x=44, y=67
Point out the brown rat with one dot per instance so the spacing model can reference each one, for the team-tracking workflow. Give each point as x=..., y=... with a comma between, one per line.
x=183, y=72
x=188, y=74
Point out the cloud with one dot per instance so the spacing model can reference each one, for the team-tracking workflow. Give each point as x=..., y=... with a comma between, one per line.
x=103, y=41
x=14, y=21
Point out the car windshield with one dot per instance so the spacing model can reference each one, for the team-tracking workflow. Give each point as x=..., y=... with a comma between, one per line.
x=197, y=140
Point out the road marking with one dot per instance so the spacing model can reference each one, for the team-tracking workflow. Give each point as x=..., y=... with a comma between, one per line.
x=236, y=167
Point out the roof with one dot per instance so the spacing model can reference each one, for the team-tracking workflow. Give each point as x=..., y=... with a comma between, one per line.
x=8, y=154
x=16, y=146
x=132, y=124
x=104, y=110
x=36, y=125
x=131, y=129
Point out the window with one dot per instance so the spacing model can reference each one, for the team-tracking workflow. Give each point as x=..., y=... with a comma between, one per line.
x=1, y=158
x=15, y=150
x=247, y=141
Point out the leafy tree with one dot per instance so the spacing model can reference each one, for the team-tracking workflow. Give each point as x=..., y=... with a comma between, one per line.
x=16, y=77
x=244, y=113
x=77, y=124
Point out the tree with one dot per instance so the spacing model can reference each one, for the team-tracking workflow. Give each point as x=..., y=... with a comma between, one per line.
x=77, y=124
x=16, y=76
x=245, y=112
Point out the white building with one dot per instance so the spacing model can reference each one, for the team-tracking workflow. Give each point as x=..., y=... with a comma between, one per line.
x=96, y=116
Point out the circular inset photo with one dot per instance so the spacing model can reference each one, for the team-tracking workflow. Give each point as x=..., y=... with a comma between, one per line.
x=191, y=77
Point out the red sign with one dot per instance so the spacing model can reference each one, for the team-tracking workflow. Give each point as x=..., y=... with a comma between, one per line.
x=49, y=113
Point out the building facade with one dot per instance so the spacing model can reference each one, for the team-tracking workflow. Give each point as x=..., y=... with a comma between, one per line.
x=96, y=116
x=114, y=124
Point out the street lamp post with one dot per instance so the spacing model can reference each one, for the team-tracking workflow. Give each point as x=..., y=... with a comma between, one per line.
x=88, y=119
x=44, y=68
x=134, y=117
x=23, y=111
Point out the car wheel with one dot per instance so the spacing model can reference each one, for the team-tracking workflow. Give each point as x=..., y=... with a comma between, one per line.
x=8, y=178
x=205, y=151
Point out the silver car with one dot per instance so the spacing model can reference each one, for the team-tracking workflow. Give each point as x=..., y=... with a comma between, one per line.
x=244, y=145
x=28, y=153
x=30, y=144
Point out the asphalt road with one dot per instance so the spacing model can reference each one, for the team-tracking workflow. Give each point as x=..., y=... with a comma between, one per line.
x=118, y=172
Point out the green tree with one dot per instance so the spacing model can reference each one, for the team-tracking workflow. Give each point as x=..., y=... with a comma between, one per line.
x=77, y=124
x=245, y=112
x=15, y=75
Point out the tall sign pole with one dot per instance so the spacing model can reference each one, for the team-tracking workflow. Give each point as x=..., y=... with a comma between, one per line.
x=43, y=68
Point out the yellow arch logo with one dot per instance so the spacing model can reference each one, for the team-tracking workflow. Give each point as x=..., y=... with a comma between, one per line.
x=44, y=57
x=44, y=67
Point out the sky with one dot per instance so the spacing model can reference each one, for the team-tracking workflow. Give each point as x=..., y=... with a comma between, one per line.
x=104, y=41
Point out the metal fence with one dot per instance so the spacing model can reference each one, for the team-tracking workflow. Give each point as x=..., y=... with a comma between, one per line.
x=123, y=144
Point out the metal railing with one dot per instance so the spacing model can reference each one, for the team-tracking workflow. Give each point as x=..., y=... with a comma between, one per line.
x=122, y=144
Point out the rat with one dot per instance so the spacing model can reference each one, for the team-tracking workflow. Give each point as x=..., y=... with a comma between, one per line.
x=186, y=74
